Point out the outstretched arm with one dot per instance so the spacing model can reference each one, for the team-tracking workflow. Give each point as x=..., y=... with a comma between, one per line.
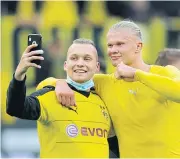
x=167, y=84
x=168, y=87
x=64, y=93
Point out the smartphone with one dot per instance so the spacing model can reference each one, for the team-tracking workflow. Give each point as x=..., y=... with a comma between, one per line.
x=35, y=39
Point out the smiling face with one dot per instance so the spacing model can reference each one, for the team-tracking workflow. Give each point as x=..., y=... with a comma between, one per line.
x=123, y=46
x=81, y=63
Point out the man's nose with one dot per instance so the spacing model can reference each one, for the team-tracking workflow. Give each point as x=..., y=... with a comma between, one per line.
x=80, y=63
x=113, y=50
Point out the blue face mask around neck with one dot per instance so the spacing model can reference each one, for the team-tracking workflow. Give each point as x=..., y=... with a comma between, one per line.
x=80, y=86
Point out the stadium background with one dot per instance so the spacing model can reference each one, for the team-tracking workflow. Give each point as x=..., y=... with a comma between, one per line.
x=60, y=22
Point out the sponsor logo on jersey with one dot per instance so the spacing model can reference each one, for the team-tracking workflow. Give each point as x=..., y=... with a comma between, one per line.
x=72, y=131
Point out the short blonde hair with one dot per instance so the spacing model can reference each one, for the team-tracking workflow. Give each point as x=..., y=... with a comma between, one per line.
x=128, y=24
x=83, y=41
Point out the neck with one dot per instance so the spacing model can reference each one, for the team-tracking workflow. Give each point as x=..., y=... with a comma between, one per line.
x=86, y=86
x=139, y=64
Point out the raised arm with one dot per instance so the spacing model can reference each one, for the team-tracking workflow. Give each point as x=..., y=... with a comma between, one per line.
x=18, y=104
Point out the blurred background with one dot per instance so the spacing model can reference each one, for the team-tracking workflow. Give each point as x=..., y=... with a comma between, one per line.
x=59, y=23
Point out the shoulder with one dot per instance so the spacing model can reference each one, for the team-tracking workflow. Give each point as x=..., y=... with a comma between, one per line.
x=51, y=81
x=171, y=68
x=103, y=77
x=173, y=72
x=169, y=71
x=43, y=91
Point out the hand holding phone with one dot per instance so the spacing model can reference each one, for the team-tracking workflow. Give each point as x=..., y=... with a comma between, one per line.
x=26, y=61
x=35, y=39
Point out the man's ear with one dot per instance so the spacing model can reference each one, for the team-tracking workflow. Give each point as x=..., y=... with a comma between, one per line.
x=139, y=47
x=65, y=65
x=97, y=66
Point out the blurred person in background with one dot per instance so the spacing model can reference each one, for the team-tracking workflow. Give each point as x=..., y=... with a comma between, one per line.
x=140, y=11
x=143, y=100
x=169, y=56
x=95, y=15
x=168, y=10
x=55, y=49
x=27, y=12
x=60, y=14
x=118, y=8
x=80, y=131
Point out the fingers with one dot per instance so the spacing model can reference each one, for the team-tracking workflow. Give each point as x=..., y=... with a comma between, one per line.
x=28, y=49
x=64, y=94
x=67, y=101
x=32, y=53
x=34, y=65
x=26, y=62
x=120, y=68
x=35, y=58
x=63, y=100
x=72, y=101
x=120, y=64
x=117, y=75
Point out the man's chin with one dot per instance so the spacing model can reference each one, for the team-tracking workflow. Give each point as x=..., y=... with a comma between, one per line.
x=116, y=62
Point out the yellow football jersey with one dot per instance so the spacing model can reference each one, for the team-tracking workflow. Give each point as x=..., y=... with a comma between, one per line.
x=145, y=113
x=73, y=132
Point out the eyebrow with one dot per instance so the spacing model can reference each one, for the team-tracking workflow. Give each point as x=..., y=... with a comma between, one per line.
x=73, y=55
x=78, y=55
x=119, y=41
x=87, y=55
